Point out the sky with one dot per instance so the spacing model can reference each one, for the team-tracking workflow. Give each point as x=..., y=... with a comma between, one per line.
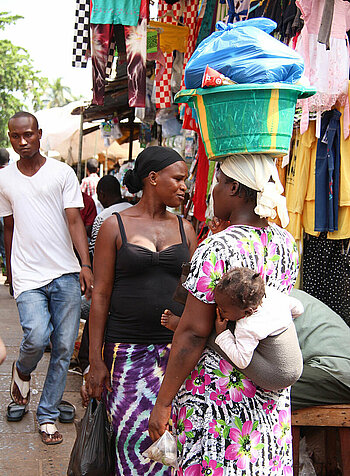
x=46, y=32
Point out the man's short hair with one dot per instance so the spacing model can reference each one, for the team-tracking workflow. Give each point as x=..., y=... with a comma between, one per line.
x=92, y=165
x=4, y=157
x=25, y=114
x=109, y=185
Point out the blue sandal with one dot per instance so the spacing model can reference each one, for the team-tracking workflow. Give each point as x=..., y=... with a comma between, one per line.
x=67, y=412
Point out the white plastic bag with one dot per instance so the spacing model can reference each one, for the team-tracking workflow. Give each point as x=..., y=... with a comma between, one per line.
x=306, y=467
x=163, y=450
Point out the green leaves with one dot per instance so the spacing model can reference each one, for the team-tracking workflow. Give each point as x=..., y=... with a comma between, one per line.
x=238, y=423
x=219, y=373
x=21, y=86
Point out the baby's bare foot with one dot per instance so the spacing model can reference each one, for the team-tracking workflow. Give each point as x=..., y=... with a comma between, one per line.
x=169, y=320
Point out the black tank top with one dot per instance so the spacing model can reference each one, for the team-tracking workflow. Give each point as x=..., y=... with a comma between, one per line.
x=144, y=284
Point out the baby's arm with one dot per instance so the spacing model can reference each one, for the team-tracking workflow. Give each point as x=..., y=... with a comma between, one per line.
x=295, y=306
x=239, y=347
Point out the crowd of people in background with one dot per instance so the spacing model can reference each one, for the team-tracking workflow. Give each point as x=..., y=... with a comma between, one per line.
x=72, y=251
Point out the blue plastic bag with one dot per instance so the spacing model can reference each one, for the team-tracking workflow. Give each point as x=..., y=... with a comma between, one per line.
x=246, y=53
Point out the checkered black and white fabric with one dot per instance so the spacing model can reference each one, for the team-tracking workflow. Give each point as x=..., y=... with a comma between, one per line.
x=111, y=53
x=81, y=39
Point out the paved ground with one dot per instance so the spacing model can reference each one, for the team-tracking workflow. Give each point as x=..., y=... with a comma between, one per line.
x=21, y=451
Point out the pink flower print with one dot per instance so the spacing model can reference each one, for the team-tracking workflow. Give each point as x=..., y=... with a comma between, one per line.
x=219, y=397
x=282, y=430
x=287, y=471
x=275, y=463
x=244, y=247
x=269, y=406
x=183, y=425
x=286, y=278
x=266, y=251
x=213, y=428
x=233, y=381
x=194, y=470
x=197, y=381
x=213, y=270
x=218, y=428
x=246, y=443
x=211, y=468
x=207, y=468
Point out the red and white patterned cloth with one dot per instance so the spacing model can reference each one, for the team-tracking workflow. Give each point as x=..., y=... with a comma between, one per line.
x=163, y=84
x=191, y=20
x=89, y=184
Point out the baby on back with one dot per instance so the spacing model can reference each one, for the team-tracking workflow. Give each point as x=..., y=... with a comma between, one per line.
x=258, y=311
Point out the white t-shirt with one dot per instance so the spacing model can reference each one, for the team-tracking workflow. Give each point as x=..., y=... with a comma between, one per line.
x=271, y=318
x=101, y=217
x=42, y=248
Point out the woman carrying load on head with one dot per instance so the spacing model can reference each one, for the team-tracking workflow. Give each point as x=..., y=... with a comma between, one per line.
x=225, y=423
x=137, y=265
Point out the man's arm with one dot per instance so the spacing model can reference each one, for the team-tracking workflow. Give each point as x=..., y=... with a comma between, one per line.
x=8, y=234
x=79, y=239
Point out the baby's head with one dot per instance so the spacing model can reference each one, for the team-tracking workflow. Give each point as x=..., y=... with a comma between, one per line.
x=238, y=293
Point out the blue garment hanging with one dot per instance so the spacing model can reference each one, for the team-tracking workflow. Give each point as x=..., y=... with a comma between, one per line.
x=327, y=173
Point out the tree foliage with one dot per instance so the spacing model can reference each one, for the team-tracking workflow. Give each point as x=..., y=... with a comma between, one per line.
x=58, y=95
x=21, y=86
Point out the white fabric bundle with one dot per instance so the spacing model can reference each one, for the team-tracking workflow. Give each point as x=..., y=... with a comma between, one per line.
x=255, y=171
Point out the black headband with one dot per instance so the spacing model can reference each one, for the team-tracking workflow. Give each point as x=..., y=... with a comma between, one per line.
x=151, y=159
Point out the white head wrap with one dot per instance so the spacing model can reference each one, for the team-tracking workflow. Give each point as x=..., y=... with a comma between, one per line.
x=255, y=171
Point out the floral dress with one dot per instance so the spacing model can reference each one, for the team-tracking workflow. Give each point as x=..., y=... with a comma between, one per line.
x=224, y=424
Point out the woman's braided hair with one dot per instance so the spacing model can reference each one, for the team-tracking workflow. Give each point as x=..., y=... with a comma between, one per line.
x=245, y=287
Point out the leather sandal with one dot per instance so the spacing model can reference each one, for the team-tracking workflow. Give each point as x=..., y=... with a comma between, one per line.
x=16, y=411
x=47, y=432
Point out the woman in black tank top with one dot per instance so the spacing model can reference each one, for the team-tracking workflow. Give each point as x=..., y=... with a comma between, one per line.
x=137, y=265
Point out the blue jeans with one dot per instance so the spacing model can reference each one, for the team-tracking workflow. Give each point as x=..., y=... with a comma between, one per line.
x=51, y=312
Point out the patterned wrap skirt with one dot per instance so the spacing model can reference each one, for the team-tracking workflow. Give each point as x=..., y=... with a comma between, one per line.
x=227, y=426
x=136, y=375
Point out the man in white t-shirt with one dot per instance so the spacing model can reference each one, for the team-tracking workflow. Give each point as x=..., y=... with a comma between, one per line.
x=109, y=195
x=40, y=200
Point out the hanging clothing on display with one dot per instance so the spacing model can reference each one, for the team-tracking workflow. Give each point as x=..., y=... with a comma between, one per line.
x=191, y=20
x=327, y=70
x=300, y=178
x=171, y=37
x=200, y=193
x=115, y=12
x=101, y=39
x=136, y=53
x=326, y=272
x=168, y=14
x=207, y=27
x=324, y=32
x=81, y=36
x=308, y=218
x=238, y=10
x=327, y=173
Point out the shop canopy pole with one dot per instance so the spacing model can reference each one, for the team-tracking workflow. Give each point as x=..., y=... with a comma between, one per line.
x=80, y=152
x=131, y=137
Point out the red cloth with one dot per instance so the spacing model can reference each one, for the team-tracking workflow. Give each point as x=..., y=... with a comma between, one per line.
x=199, y=197
x=88, y=213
